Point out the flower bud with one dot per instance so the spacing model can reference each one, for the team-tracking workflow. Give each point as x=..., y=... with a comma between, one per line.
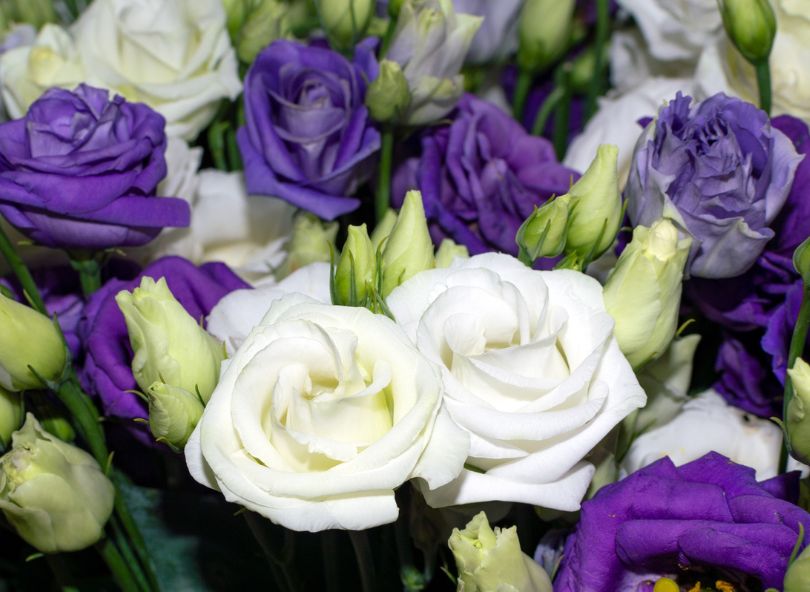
x=543, y=233
x=388, y=96
x=169, y=345
x=544, y=31
x=492, y=560
x=265, y=21
x=235, y=12
x=801, y=261
x=355, y=273
x=54, y=494
x=409, y=248
x=798, y=574
x=751, y=26
x=31, y=12
x=53, y=418
x=11, y=412
x=312, y=240
x=797, y=418
x=345, y=21
x=383, y=229
x=173, y=413
x=28, y=340
x=448, y=251
x=643, y=292
x=596, y=205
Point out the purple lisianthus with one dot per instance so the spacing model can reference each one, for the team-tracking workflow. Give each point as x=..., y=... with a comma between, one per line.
x=722, y=171
x=679, y=521
x=481, y=176
x=776, y=340
x=79, y=171
x=746, y=379
x=308, y=137
x=107, y=371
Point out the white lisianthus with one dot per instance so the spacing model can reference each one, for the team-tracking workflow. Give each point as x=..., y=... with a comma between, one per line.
x=320, y=414
x=246, y=232
x=497, y=38
x=173, y=55
x=531, y=370
x=182, y=164
x=707, y=423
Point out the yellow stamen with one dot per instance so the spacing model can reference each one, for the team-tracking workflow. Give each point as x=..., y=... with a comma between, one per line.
x=723, y=586
x=666, y=585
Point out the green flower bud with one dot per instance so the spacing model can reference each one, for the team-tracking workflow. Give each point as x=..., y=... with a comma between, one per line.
x=235, y=12
x=544, y=31
x=383, y=229
x=53, y=418
x=169, y=345
x=596, y=205
x=54, y=494
x=28, y=340
x=492, y=560
x=345, y=21
x=312, y=240
x=173, y=413
x=11, y=412
x=356, y=268
x=388, y=97
x=801, y=261
x=643, y=292
x=448, y=251
x=266, y=21
x=409, y=249
x=798, y=574
x=543, y=233
x=32, y=12
x=797, y=419
x=751, y=26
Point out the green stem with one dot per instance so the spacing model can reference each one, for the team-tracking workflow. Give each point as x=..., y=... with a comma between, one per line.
x=365, y=559
x=602, y=33
x=545, y=111
x=522, y=87
x=797, y=343
x=763, y=71
x=117, y=565
x=120, y=535
x=89, y=269
x=562, y=114
x=22, y=273
x=387, y=37
x=383, y=197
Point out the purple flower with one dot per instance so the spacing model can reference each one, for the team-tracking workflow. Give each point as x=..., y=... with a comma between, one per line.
x=107, y=371
x=308, y=137
x=79, y=171
x=776, y=340
x=722, y=171
x=481, y=176
x=746, y=379
x=679, y=520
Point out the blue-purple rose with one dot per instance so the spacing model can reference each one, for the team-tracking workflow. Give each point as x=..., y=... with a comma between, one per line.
x=678, y=521
x=79, y=171
x=722, y=171
x=481, y=177
x=308, y=137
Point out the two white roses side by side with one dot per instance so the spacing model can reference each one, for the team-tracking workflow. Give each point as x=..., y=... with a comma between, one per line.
x=494, y=384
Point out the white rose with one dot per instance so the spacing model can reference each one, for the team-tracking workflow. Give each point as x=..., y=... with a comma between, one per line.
x=531, y=369
x=174, y=55
x=723, y=69
x=707, y=423
x=320, y=415
x=675, y=30
x=246, y=232
x=616, y=122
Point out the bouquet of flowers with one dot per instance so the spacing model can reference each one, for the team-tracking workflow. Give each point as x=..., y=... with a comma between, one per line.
x=484, y=295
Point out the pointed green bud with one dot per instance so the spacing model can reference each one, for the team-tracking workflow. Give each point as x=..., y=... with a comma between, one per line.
x=490, y=559
x=596, y=205
x=53, y=418
x=383, y=229
x=801, y=261
x=798, y=574
x=355, y=274
x=543, y=233
x=11, y=412
x=544, y=31
x=643, y=292
x=409, y=249
x=264, y=22
x=312, y=240
x=448, y=251
x=751, y=26
x=797, y=418
x=173, y=413
x=28, y=340
x=54, y=494
x=169, y=345
x=388, y=97
x=345, y=21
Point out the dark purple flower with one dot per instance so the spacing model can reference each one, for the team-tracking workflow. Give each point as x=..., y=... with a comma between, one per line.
x=721, y=170
x=79, y=171
x=710, y=513
x=746, y=379
x=107, y=371
x=779, y=332
x=308, y=138
x=481, y=176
